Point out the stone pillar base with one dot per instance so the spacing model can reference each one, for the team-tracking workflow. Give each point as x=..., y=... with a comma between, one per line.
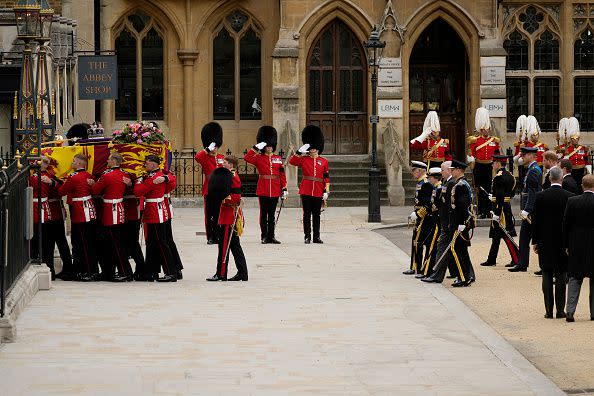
x=34, y=278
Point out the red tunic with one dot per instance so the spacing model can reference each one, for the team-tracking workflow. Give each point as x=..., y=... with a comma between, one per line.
x=227, y=213
x=540, y=146
x=112, y=187
x=482, y=148
x=131, y=205
x=46, y=214
x=315, y=174
x=154, y=201
x=440, y=153
x=56, y=203
x=578, y=155
x=208, y=163
x=272, y=178
x=171, y=184
x=78, y=190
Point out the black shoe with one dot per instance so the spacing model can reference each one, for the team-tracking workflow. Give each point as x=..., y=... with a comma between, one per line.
x=265, y=241
x=274, y=241
x=409, y=272
x=143, y=277
x=471, y=280
x=488, y=264
x=128, y=278
x=548, y=316
x=419, y=276
x=66, y=276
x=511, y=264
x=539, y=272
x=89, y=277
x=168, y=278
x=238, y=278
x=307, y=240
x=317, y=240
x=460, y=283
x=561, y=315
x=211, y=241
x=569, y=317
x=180, y=275
x=430, y=280
x=518, y=268
x=216, y=278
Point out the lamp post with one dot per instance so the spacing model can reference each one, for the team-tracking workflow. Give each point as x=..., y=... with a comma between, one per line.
x=374, y=47
x=26, y=114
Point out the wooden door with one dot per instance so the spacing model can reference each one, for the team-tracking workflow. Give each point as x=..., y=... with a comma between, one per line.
x=439, y=88
x=336, y=81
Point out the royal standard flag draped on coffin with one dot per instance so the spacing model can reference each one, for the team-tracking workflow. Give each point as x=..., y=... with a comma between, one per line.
x=134, y=155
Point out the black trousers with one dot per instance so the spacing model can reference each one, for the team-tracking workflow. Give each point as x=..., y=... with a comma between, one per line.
x=83, y=248
x=229, y=244
x=131, y=238
x=430, y=251
x=158, y=254
x=461, y=258
x=554, y=292
x=483, y=176
x=267, y=214
x=103, y=252
x=495, y=242
x=312, y=207
x=211, y=222
x=524, y=244
x=116, y=249
x=58, y=231
x=47, y=245
x=173, y=246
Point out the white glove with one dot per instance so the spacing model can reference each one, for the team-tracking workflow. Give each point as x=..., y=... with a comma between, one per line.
x=589, y=168
x=303, y=149
x=524, y=215
x=325, y=196
x=461, y=227
x=566, y=157
x=517, y=158
x=285, y=194
x=212, y=146
x=521, y=161
x=261, y=145
x=469, y=159
x=490, y=197
x=421, y=138
x=495, y=217
x=413, y=216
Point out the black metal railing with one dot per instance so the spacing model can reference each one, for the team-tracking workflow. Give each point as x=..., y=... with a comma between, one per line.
x=14, y=253
x=190, y=178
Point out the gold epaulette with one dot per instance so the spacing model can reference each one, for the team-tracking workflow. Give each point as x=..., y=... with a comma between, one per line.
x=447, y=141
x=471, y=139
x=496, y=139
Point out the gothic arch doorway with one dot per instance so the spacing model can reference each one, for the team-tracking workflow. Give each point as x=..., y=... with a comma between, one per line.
x=337, y=89
x=438, y=75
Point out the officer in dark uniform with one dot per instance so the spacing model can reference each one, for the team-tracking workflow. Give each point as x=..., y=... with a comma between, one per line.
x=503, y=188
x=420, y=216
x=531, y=187
x=461, y=223
x=434, y=176
x=443, y=242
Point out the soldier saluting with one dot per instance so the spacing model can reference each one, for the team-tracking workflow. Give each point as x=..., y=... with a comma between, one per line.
x=436, y=150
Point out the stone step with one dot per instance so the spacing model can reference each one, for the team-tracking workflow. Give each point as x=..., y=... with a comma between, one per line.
x=352, y=179
x=351, y=186
x=348, y=202
x=358, y=193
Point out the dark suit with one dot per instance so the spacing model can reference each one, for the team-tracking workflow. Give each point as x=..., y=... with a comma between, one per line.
x=531, y=187
x=445, y=237
x=424, y=223
x=547, y=221
x=460, y=215
x=578, y=234
x=569, y=184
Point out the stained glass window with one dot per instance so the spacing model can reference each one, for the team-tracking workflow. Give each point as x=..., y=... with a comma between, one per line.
x=583, y=51
x=224, y=76
x=546, y=103
x=583, y=102
x=517, y=100
x=546, y=52
x=516, y=47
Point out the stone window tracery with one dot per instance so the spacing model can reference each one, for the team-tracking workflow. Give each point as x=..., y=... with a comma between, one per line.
x=532, y=40
x=139, y=45
x=237, y=69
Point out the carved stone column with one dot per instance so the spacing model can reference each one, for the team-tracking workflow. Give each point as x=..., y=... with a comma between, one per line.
x=188, y=57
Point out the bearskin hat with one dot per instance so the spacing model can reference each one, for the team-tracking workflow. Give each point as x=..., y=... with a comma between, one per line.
x=267, y=134
x=219, y=185
x=80, y=131
x=212, y=132
x=313, y=136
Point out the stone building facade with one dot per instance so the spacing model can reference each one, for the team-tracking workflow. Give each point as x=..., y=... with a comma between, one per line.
x=292, y=62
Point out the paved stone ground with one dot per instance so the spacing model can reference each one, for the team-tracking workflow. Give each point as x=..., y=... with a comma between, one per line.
x=337, y=319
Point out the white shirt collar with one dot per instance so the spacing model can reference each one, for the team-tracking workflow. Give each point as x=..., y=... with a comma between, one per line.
x=555, y=184
x=590, y=192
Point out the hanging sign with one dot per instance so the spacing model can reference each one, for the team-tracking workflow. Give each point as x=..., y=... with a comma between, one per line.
x=97, y=77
